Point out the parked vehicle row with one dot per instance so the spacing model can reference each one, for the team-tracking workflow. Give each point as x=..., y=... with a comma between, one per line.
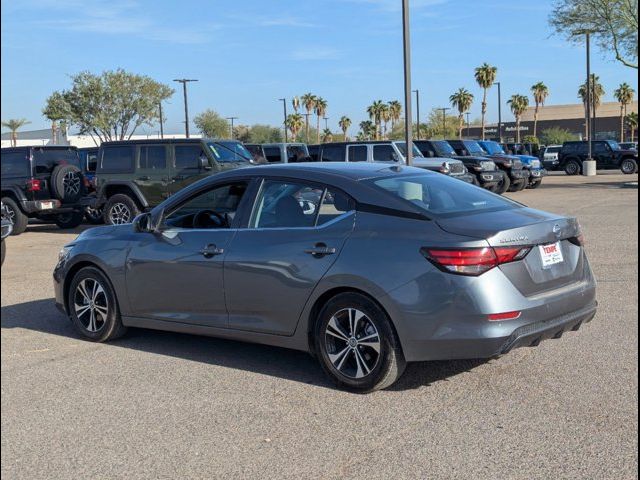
x=607, y=153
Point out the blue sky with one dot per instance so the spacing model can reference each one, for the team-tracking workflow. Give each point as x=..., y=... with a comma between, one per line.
x=249, y=53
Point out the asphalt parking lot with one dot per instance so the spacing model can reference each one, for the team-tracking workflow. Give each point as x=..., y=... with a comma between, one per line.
x=164, y=405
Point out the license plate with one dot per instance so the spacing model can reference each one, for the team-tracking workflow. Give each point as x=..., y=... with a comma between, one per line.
x=551, y=254
x=46, y=205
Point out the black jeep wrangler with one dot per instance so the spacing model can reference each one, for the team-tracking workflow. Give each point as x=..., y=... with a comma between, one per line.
x=135, y=176
x=42, y=182
x=607, y=154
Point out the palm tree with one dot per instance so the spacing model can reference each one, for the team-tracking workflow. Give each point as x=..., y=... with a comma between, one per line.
x=344, y=123
x=367, y=129
x=624, y=94
x=14, y=125
x=485, y=76
x=597, y=92
x=321, y=110
x=295, y=102
x=632, y=123
x=294, y=124
x=540, y=93
x=461, y=100
x=395, y=112
x=518, y=104
x=385, y=117
x=327, y=136
x=375, y=113
x=309, y=103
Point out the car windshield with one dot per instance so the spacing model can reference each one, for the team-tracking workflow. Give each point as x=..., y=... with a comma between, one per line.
x=402, y=146
x=493, y=148
x=552, y=149
x=614, y=145
x=441, y=196
x=443, y=149
x=473, y=148
x=229, y=152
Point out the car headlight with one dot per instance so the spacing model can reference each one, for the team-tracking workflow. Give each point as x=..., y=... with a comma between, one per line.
x=444, y=168
x=487, y=166
x=63, y=254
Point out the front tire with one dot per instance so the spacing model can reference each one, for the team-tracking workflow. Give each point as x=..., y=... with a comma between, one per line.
x=518, y=185
x=504, y=185
x=120, y=209
x=93, y=306
x=94, y=216
x=629, y=166
x=572, y=168
x=356, y=344
x=534, y=185
x=19, y=219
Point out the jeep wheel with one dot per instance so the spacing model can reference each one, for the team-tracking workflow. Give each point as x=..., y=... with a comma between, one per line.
x=504, y=185
x=67, y=183
x=69, y=220
x=572, y=167
x=534, y=185
x=15, y=215
x=518, y=185
x=628, y=166
x=94, y=216
x=120, y=209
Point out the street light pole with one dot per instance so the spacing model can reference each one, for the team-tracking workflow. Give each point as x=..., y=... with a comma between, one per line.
x=232, y=119
x=326, y=123
x=184, y=82
x=499, y=113
x=417, y=92
x=284, y=104
x=468, y=124
x=406, y=47
x=444, y=121
x=161, y=125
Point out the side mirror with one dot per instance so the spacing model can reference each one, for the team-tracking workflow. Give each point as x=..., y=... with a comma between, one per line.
x=148, y=223
x=203, y=162
x=464, y=153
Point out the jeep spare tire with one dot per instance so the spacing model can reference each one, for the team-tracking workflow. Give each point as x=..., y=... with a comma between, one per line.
x=67, y=183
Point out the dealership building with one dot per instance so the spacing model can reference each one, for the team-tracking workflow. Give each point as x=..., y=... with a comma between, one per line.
x=606, y=124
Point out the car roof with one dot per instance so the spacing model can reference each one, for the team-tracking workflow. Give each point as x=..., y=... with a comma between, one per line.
x=156, y=141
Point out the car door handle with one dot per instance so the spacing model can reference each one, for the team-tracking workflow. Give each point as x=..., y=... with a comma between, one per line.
x=144, y=179
x=320, y=250
x=211, y=251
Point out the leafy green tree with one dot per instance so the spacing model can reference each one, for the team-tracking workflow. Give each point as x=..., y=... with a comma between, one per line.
x=540, y=93
x=14, y=125
x=461, y=100
x=395, y=112
x=111, y=105
x=597, y=92
x=211, y=124
x=368, y=130
x=344, y=123
x=485, y=76
x=624, y=94
x=556, y=136
x=632, y=123
x=327, y=135
x=56, y=111
x=438, y=126
x=375, y=111
x=294, y=124
x=320, y=110
x=264, y=134
x=518, y=105
x=614, y=24
x=308, y=101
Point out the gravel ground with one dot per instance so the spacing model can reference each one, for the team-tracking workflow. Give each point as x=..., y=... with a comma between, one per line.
x=163, y=405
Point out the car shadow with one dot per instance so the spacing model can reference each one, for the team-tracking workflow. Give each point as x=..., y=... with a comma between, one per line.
x=42, y=316
x=42, y=227
x=587, y=185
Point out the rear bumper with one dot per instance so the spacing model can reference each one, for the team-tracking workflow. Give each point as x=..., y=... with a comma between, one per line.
x=42, y=208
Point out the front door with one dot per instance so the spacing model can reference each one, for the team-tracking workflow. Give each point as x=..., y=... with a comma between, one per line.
x=187, y=166
x=177, y=275
x=296, y=233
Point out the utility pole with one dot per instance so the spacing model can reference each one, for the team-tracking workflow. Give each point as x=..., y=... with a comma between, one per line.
x=444, y=121
x=161, y=120
x=589, y=165
x=417, y=92
x=499, y=114
x=468, y=124
x=406, y=48
x=326, y=123
x=284, y=104
x=231, y=120
x=184, y=82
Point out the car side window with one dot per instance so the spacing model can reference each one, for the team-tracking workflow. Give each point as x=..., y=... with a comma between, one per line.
x=334, y=204
x=357, y=153
x=153, y=157
x=600, y=147
x=384, y=153
x=187, y=157
x=333, y=153
x=582, y=148
x=272, y=154
x=15, y=164
x=282, y=204
x=92, y=161
x=211, y=209
x=117, y=159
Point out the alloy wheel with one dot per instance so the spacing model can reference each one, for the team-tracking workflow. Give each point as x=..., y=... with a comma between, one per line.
x=352, y=343
x=10, y=214
x=71, y=183
x=120, y=214
x=91, y=304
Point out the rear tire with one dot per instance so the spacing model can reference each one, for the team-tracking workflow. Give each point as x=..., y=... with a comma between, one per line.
x=69, y=220
x=120, y=209
x=356, y=344
x=629, y=166
x=19, y=219
x=93, y=306
x=572, y=167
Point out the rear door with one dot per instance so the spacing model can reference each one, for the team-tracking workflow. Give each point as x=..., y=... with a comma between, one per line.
x=295, y=234
x=357, y=153
x=152, y=174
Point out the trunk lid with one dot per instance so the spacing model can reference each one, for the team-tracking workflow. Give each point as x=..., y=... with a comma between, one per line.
x=528, y=228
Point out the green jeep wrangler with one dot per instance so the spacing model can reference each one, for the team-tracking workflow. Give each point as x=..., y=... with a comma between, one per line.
x=135, y=176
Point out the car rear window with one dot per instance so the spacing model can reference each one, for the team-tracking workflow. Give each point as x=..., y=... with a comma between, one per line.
x=15, y=164
x=117, y=159
x=45, y=160
x=441, y=196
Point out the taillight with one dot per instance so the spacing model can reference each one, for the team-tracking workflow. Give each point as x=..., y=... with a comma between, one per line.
x=34, y=185
x=473, y=261
x=498, y=317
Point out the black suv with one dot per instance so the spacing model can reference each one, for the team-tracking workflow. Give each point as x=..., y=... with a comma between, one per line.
x=486, y=173
x=134, y=176
x=517, y=177
x=44, y=183
x=607, y=154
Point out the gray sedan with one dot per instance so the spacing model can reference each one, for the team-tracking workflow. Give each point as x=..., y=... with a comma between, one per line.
x=365, y=266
